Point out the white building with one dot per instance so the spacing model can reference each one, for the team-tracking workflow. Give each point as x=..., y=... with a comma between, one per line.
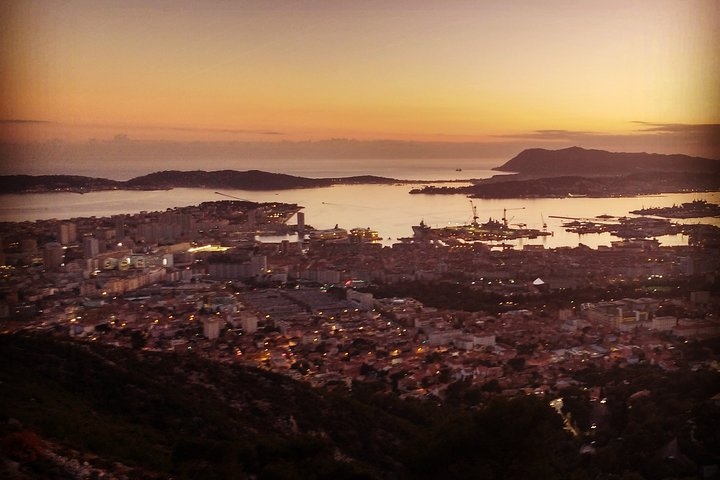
x=249, y=323
x=211, y=328
x=665, y=323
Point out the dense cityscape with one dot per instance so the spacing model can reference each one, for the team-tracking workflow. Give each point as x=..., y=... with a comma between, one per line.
x=360, y=240
x=423, y=319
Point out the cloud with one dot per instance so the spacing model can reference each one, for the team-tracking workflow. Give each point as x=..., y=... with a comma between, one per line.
x=166, y=128
x=16, y=121
x=680, y=129
x=693, y=139
x=549, y=134
x=221, y=130
x=238, y=131
x=697, y=128
x=120, y=138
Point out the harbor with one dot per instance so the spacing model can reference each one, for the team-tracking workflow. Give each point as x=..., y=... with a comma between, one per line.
x=387, y=209
x=493, y=230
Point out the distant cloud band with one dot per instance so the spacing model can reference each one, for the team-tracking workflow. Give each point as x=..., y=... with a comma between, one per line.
x=15, y=121
x=221, y=130
x=150, y=127
x=702, y=128
x=548, y=134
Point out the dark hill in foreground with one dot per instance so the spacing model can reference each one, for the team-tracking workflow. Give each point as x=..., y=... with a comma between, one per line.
x=164, y=414
x=141, y=414
x=580, y=161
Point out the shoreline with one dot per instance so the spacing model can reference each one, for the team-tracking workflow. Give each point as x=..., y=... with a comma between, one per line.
x=503, y=186
x=58, y=183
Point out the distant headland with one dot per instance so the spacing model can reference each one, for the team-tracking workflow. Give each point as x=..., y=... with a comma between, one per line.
x=537, y=173
x=580, y=161
x=166, y=180
x=540, y=173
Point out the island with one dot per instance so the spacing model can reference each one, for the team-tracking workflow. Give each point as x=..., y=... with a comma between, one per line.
x=166, y=180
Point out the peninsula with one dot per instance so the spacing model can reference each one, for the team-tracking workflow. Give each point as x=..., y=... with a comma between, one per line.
x=578, y=186
x=540, y=162
x=576, y=171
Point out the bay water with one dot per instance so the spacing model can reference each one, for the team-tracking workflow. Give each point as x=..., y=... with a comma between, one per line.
x=389, y=209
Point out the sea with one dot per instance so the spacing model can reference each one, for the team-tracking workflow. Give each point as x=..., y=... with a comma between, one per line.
x=389, y=209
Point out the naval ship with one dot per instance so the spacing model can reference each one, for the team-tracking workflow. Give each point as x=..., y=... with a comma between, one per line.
x=492, y=230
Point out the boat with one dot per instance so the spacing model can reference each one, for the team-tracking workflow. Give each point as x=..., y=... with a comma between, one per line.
x=422, y=229
x=492, y=230
x=330, y=234
x=364, y=235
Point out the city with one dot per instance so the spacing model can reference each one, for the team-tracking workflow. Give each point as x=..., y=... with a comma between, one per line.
x=342, y=240
x=196, y=279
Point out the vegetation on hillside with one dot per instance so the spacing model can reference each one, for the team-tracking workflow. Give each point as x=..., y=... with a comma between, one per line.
x=142, y=414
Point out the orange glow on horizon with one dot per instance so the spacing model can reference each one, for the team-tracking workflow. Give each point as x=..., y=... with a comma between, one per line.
x=405, y=71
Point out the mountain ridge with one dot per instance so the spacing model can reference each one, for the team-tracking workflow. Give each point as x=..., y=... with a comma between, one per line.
x=581, y=161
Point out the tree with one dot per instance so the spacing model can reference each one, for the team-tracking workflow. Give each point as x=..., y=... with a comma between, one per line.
x=517, y=363
x=137, y=340
x=509, y=439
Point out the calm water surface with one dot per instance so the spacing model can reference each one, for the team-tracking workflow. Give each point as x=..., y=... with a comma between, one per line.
x=389, y=209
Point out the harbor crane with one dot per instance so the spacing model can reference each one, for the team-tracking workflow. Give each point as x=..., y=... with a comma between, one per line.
x=475, y=215
x=505, y=210
x=232, y=196
x=505, y=220
x=598, y=219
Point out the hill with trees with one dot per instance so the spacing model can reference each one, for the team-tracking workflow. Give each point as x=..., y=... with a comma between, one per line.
x=580, y=161
x=165, y=180
x=70, y=409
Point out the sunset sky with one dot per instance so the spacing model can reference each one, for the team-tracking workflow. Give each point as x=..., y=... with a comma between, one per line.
x=616, y=74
